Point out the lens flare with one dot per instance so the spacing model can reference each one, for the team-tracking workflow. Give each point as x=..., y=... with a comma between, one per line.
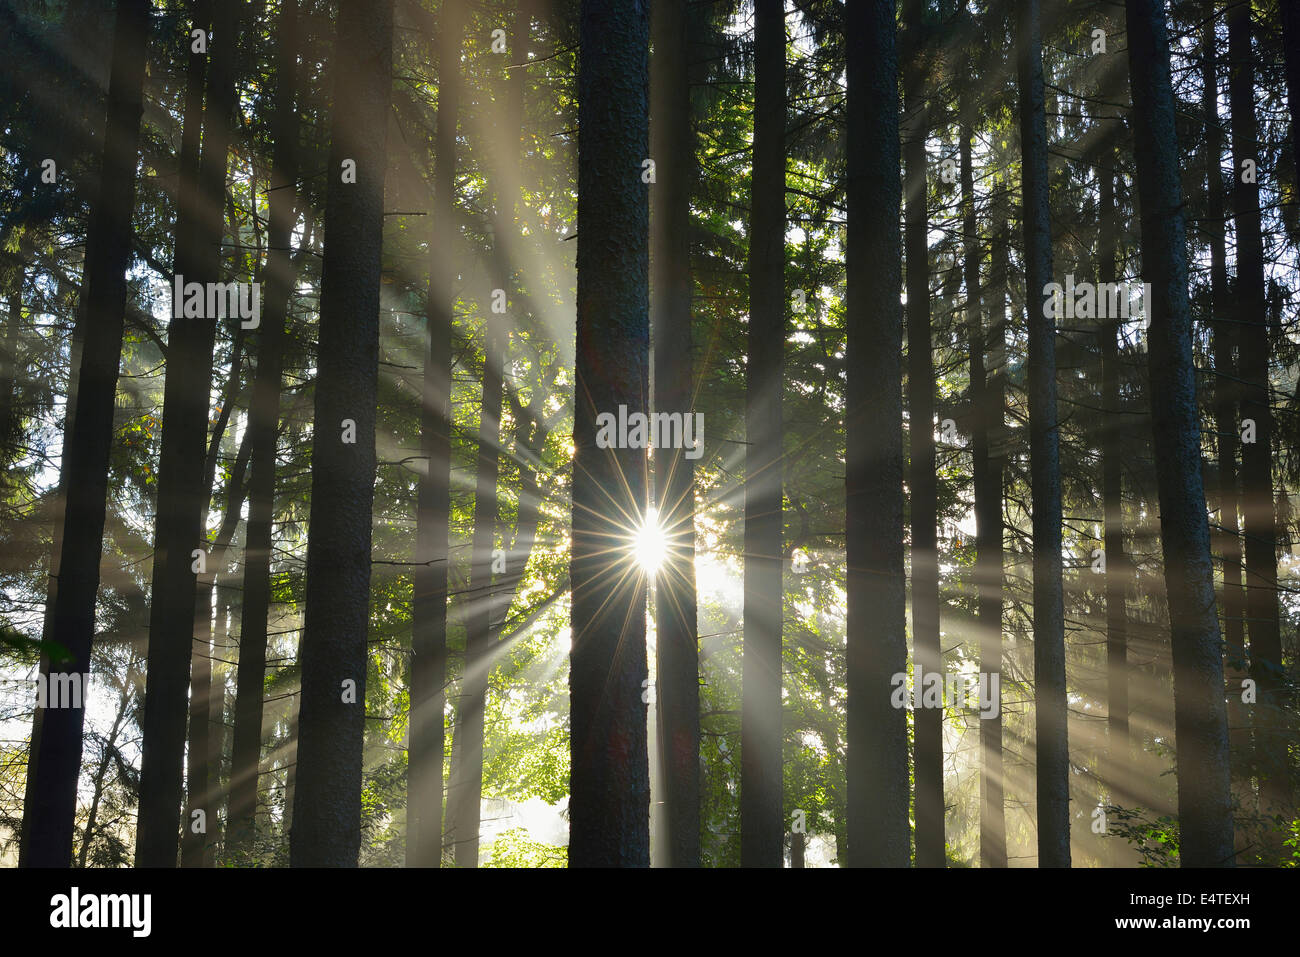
x=650, y=546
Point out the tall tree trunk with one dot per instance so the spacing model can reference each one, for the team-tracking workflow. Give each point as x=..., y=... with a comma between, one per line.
x=1200, y=724
x=104, y=291
x=761, y=829
x=1223, y=335
x=429, y=610
x=677, y=654
x=877, y=761
x=609, y=806
x=1052, y=746
x=465, y=796
x=922, y=478
x=263, y=433
x=1118, y=760
x=331, y=733
x=986, y=471
x=1257, y=456
x=181, y=501
x=206, y=706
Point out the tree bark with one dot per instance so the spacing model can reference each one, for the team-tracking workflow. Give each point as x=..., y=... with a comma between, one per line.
x=677, y=655
x=199, y=232
x=987, y=476
x=609, y=812
x=1223, y=335
x=922, y=478
x=334, y=659
x=53, y=802
x=876, y=771
x=1200, y=725
x=1052, y=746
x=429, y=613
x=761, y=827
x=263, y=433
x=1256, y=457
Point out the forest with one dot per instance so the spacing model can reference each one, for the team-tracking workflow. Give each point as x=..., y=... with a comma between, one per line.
x=627, y=433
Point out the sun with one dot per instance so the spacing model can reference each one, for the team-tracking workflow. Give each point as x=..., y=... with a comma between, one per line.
x=650, y=547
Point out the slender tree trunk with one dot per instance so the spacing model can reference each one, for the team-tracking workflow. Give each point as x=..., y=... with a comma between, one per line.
x=429, y=611
x=1257, y=456
x=53, y=801
x=465, y=797
x=331, y=735
x=761, y=828
x=263, y=433
x=877, y=761
x=1223, y=335
x=987, y=472
x=199, y=231
x=1119, y=768
x=922, y=478
x=1052, y=746
x=677, y=664
x=198, y=849
x=609, y=806
x=1200, y=724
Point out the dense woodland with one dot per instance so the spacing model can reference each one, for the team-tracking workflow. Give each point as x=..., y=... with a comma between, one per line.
x=329, y=329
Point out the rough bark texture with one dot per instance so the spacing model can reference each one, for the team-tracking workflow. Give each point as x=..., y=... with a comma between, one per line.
x=180, y=467
x=433, y=505
x=1256, y=457
x=1200, y=724
x=263, y=432
x=677, y=662
x=761, y=826
x=1052, y=747
x=327, y=799
x=922, y=478
x=878, y=795
x=52, y=808
x=609, y=805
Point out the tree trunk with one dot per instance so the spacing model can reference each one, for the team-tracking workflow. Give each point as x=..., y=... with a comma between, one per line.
x=334, y=658
x=877, y=761
x=922, y=478
x=429, y=614
x=987, y=471
x=609, y=807
x=761, y=827
x=199, y=232
x=108, y=243
x=263, y=433
x=1257, y=456
x=1052, y=746
x=1200, y=725
x=466, y=793
x=677, y=655
x=1223, y=335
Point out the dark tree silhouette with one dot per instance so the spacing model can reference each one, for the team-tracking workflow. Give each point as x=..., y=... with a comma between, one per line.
x=761, y=830
x=331, y=724
x=1052, y=748
x=877, y=759
x=609, y=804
x=1200, y=725
x=677, y=662
x=51, y=810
